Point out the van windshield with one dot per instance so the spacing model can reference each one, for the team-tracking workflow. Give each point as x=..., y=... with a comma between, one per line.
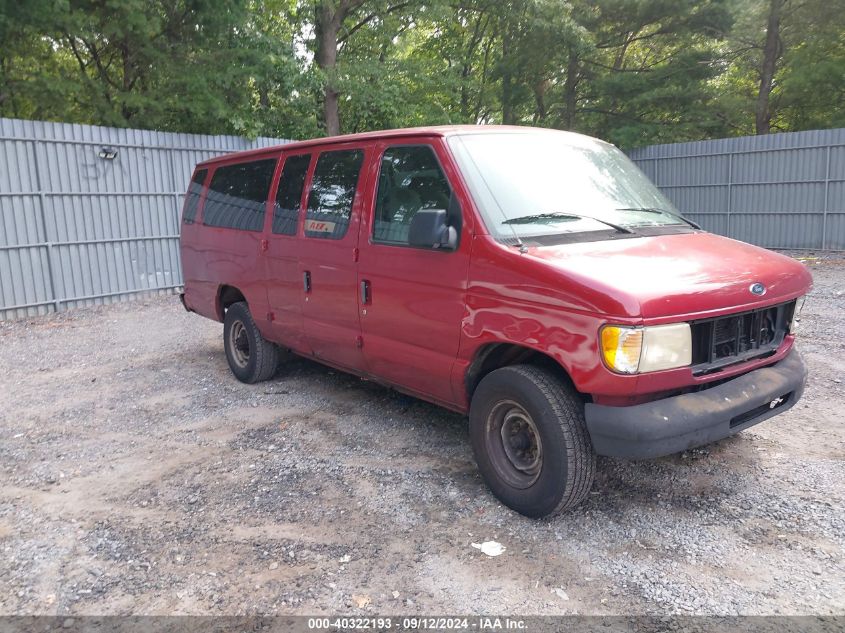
x=538, y=183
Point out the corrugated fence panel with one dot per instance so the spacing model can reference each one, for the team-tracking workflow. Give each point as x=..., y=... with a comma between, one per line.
x=778, y=190
x=78, y=228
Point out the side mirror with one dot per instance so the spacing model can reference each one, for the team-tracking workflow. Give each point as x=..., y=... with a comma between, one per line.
x=430, y=229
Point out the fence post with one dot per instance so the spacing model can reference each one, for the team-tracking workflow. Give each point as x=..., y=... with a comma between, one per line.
x=730, y=194
x=826, y=194
x=51, y=262
x=174, y=188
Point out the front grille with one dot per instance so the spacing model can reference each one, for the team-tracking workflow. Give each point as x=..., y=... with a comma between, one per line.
x=735, y=338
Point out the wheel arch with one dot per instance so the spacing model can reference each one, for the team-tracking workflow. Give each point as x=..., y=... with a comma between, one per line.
x=226, y=296
x=492, y=356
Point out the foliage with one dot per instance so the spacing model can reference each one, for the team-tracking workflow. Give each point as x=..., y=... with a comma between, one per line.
x=631, y=71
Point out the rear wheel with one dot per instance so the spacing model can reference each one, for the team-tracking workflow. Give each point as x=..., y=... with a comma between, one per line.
x=530, y=440
x=251, y=357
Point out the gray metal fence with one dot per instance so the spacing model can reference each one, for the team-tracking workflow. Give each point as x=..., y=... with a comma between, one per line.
x=779, y=191
x=90, y=214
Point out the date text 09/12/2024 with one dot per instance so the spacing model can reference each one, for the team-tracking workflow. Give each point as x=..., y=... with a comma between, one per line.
x=480, y=623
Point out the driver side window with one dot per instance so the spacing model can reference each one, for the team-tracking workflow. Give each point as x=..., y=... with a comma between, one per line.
x=410, y=180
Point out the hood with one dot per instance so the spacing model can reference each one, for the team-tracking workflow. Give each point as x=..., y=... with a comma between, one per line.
x=685, y=274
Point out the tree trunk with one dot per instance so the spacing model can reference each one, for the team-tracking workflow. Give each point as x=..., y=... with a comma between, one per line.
x=485, y=67
x=508, y=115
x=466, y=70
x=772, y=51
x=540, y=108
x=4, y=94
x=326, y=27
x=570, y=93
x=331, y=116
x=128, y=82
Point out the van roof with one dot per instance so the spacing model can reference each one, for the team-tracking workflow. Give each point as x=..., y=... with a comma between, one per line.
x=436, y=130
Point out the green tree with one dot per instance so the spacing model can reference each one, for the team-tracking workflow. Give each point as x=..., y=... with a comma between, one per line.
x=631, y=71
x=785, y=66
x=335, y=23
x=648, y=78
x=812, y=78
x=187, y=65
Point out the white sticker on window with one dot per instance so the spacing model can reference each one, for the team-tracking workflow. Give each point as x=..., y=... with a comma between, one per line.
x=319, y=226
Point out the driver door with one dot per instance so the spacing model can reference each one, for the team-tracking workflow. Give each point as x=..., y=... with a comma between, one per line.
x=412, y=300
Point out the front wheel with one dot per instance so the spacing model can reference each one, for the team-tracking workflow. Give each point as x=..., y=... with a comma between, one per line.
x=251, y=357
x=530, y=440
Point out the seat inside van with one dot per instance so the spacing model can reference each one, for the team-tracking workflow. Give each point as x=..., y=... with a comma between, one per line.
x=420, y=185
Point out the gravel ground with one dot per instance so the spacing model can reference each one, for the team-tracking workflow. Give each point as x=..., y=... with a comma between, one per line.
x=138, y=476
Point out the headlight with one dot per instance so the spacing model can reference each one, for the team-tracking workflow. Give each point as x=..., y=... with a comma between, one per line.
x=635, y=350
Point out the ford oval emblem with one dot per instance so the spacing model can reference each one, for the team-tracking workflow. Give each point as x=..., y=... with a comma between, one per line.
x=757, y=289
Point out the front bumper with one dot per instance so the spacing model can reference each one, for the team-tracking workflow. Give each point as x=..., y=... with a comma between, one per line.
x=675, y=424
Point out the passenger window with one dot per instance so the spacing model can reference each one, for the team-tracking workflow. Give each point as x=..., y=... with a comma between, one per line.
x=192, y=198
x=289, y=195
x=410, y=180
x=332, y=193
x=237, y=195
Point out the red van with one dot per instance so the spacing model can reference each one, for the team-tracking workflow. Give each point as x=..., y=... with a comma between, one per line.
x=533, y=279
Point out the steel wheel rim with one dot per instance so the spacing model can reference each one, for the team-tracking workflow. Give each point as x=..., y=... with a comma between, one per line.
x=513, y=444
x=239, y=344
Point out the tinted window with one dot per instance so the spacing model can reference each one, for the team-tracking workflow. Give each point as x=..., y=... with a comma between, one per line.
x=410, y=179
x=192, y=198
x=289, y=195
x=332, y=193
x=237, y=195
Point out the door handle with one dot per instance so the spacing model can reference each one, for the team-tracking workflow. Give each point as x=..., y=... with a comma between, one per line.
x=265, y=244
x=306, y=281
x=365, y=292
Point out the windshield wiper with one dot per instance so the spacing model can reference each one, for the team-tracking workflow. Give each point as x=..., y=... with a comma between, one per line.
x=694, y=225
x=528, y=219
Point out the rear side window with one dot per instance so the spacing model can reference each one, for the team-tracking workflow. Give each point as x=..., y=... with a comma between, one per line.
x=332, y=193
x=410, y=180
x=237, y=195
x=192, y=198
x=289, y=195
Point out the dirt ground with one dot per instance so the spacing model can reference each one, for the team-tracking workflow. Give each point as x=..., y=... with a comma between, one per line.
x=137, y=476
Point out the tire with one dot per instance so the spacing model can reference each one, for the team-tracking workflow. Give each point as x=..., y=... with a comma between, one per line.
x=530, y=440
x=251, y=357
